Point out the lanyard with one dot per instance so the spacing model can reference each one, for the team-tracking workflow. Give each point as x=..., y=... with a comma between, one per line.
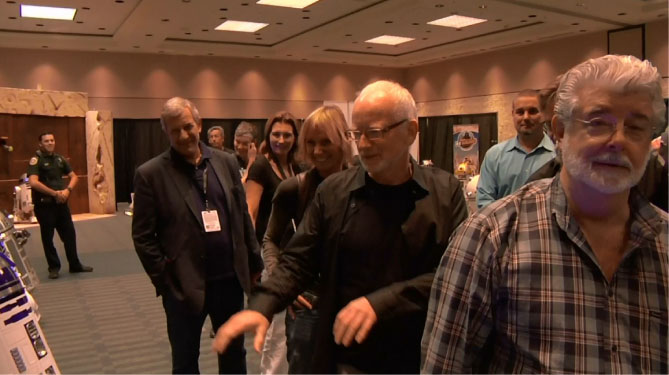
x=204, y=183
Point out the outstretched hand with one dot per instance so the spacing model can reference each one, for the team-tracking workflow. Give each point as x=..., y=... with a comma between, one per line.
x=243, y=321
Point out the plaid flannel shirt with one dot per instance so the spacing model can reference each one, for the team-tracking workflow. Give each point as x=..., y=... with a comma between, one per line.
x=519, y=290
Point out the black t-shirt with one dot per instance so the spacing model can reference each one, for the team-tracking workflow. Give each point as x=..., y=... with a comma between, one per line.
x=262, y=173
x=376, y=256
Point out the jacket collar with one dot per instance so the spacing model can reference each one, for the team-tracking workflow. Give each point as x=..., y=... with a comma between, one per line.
x=418, y=177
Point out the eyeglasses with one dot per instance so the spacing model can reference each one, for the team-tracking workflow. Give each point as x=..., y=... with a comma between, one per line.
x=278, y=135
x=373, y=133
x=604, y=127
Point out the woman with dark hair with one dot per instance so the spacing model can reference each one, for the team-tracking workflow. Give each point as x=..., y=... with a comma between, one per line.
x=323, y=145
x=275, y=163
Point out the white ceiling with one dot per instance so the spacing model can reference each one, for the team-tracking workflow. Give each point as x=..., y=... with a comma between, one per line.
x=328, y=31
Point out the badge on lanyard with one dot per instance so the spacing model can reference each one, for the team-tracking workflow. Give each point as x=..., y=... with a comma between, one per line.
x=210, y=220
x=209, y=217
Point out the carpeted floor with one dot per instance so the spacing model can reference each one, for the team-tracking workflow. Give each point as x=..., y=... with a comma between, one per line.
x=108, y=321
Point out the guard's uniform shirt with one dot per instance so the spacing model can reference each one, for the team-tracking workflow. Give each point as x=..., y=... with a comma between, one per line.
x=50, y=170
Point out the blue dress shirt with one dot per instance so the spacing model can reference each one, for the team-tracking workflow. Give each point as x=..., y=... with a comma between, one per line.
x=507, y=166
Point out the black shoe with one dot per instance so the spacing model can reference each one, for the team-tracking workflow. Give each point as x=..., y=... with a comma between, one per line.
x=81, y=268
x=53, y=274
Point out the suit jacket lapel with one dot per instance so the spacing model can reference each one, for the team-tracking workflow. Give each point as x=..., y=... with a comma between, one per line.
x=184, y=188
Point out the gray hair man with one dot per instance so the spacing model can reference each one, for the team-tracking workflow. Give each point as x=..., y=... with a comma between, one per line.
x=245, y=147
x=374, y=233
x=194, y=237
x=569, y=274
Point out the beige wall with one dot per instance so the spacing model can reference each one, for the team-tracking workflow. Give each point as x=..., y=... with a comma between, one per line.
x=487, y=83
x=136, y=85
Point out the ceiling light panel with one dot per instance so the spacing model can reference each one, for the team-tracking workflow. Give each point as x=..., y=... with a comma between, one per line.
x=51, y=13
x=240, y=26
x=297, y=4
x=456, y=21
x=390, y=40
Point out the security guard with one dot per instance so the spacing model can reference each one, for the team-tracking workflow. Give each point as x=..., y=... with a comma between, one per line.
x=50, y=195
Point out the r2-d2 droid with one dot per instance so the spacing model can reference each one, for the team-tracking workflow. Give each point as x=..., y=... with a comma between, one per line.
x=23, y=347
x=24, y=210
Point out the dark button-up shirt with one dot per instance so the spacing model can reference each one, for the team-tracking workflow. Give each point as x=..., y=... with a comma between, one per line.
x=521, y=291
x=218, y=245
x=316, y=249
x=50, y=170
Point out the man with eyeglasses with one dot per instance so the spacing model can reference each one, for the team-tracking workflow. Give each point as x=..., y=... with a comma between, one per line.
x=509, y=164
x=374, y=233
x=570, y=274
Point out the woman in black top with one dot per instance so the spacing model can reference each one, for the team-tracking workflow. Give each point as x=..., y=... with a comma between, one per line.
x=323, y=145
x=275, y=163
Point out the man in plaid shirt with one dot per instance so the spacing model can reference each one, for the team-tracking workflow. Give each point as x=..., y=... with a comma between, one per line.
x=571, y=274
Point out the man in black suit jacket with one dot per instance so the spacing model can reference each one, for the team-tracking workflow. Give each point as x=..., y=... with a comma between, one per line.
x=194, y=237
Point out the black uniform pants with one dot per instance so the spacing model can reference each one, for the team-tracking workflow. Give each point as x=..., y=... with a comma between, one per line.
x=57, y=216
x=223, y=298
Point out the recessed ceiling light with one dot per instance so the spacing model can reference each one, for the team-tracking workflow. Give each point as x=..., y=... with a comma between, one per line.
x=240, y=26
x=297, y=4
x=456, y=21
x=52, y=13
x=390, y=40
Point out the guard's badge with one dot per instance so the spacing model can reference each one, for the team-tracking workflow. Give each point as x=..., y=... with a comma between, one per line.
x=33, y=161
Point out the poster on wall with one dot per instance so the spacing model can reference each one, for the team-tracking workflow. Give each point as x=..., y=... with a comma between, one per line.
x=466, y=151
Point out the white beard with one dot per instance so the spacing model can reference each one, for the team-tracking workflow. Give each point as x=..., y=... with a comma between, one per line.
x=607, y=182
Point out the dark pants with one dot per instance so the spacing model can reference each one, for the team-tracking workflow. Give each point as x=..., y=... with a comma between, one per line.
x=57, y=216
x=300, y=342
x=223, y=298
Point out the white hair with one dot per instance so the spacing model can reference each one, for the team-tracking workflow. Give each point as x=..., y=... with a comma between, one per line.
x=406, y=106
x=621, y=73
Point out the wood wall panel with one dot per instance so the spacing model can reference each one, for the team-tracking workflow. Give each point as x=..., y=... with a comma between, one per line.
x=22, y=132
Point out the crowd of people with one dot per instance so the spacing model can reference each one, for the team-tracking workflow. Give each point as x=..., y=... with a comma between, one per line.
x=372, y=264
x=356, y=259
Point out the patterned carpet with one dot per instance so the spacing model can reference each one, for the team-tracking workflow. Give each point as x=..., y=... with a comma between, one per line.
x=108, y=321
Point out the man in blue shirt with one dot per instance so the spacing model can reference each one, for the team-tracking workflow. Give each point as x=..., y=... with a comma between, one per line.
x=509, y=164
